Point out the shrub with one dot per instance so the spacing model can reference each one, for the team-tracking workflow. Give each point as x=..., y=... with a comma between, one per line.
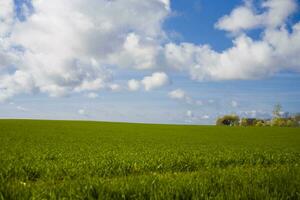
x=228, y=120
x=296, y=119
x=279, y=122
x=248, y=122
x=260, y=123
x=285, y=122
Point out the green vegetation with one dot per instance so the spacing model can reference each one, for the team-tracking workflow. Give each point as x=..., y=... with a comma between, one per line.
x=280, y=119
x=228, y=120
x=93, y=160
x=234, y=120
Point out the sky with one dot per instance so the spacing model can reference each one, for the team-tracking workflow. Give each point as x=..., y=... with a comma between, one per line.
x=154, y=61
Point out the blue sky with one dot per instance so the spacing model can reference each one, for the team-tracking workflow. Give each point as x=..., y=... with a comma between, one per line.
x=50, y=75
x=195, y=21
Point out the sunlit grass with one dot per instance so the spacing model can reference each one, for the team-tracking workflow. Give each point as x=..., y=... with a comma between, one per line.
x=92, y=160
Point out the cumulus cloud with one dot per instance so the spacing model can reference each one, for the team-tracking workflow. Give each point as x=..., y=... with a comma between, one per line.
x=82, y=112
x=247, y=59
x=6, y=16
x=234, y=104
x=181, y=95
x=133, y=85
x=19, y=82
x=65, y=46
x=178, y=94
x=73, y=46
x=21, y=108
x=246, y=17
x=156, y=80
x=274, y=52
x=243, y=61
x=137, y=52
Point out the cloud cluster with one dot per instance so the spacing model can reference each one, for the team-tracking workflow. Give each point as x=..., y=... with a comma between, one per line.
x=178, y=94
x=65, y=46
x=6, y=16
x=247, y=17
x=156, y=80
x=133, y=85
x=276, y=51
x=181, y=95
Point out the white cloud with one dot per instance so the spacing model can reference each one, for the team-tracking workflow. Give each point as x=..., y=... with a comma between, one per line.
x=241, y=18
x=72, y=46
x=137, y=52
x=246, y=17
x=156, y=80
x=247, y=59
x=178, y=94
x=7, y=54
x=115, y=87
x=93, y=85
x=21, y=108
x=82, y=112
x=276, y=51
x=133, y=85
x=166, y=3
x=19, y=82
x=205, y=117
x=189, y=114
x=6, y=16
x=234, y=104
x=181, y=95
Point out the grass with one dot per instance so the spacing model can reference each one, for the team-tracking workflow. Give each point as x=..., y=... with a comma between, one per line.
x=96, y=160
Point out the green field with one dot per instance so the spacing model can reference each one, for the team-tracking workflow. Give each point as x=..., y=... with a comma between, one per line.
x=95, y=160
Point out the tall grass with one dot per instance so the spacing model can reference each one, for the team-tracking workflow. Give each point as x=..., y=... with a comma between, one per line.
x=92, y=160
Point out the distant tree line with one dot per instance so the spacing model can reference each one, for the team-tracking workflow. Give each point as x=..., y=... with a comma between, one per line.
x=279, y=119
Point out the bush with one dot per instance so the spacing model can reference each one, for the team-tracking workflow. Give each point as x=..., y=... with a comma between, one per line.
x=279, y=122
x=291, y=123
x=228, y=120
x=296, y=119
x=283, y=122
x=260, y=123
x=248, y=122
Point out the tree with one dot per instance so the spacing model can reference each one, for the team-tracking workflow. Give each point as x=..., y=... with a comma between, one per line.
x=279, y=122
x=277, y=111
x=291, y=123
x=260, y=123
x=228, y=120
x=248, y=121
x=297, y=119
